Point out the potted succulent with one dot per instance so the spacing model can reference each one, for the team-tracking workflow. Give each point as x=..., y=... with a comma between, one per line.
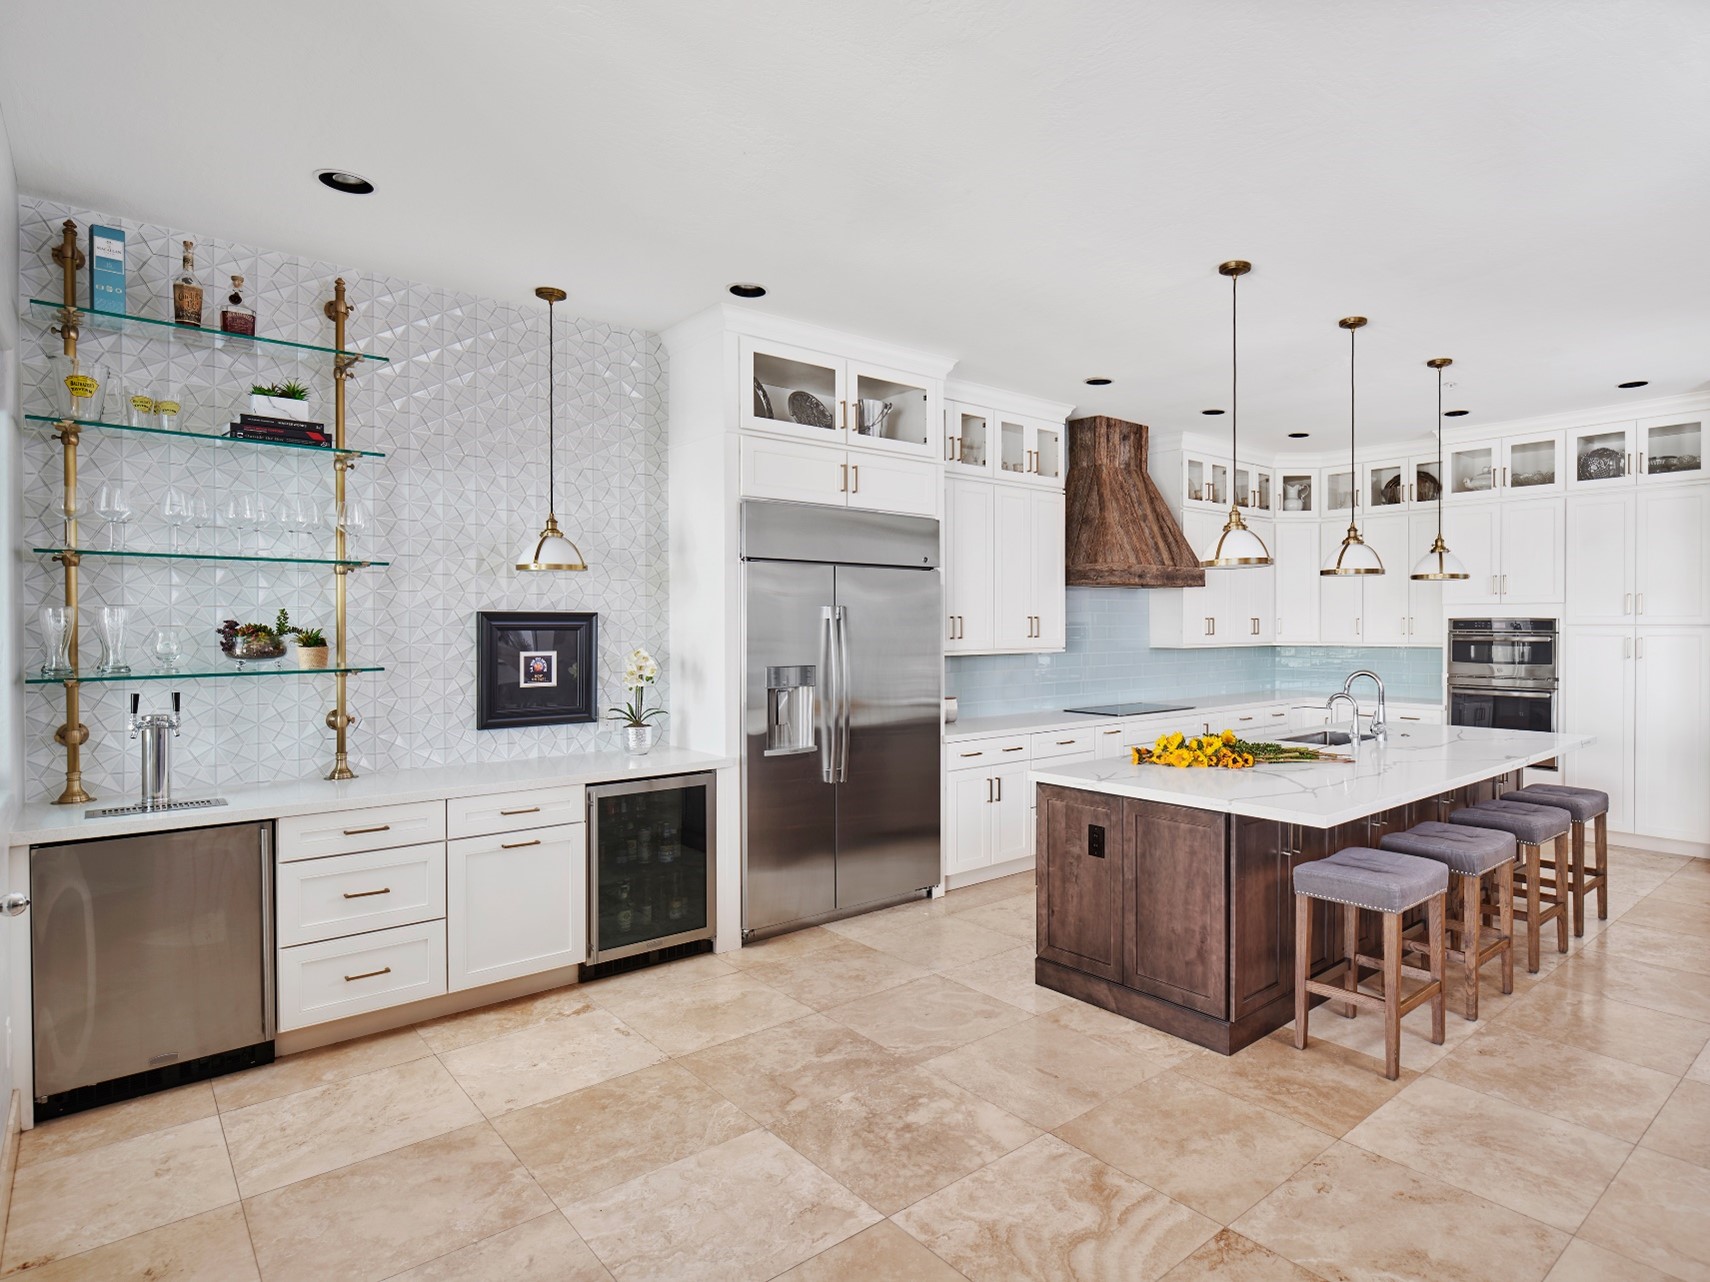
x=639, y=671
x=280, y=400
x=250, y=642
x=311, y=647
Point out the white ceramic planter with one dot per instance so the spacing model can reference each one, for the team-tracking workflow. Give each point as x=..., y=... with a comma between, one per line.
x=280, y=407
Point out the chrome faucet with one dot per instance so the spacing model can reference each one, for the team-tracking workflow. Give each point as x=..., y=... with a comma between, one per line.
x=1342, y=696
x=1380, y=722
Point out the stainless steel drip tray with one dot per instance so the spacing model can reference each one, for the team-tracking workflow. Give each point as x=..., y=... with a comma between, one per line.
x=153, y=808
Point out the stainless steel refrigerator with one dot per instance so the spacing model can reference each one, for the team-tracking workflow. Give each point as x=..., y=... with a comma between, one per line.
x=842, y=690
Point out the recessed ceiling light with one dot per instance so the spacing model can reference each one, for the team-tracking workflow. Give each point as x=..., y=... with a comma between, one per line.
x=1456, y=413
x=1097, y=382
x=748, y=289
x=345, y=181
x=1637, y=382
x=1298, y=436
x=1213, y=413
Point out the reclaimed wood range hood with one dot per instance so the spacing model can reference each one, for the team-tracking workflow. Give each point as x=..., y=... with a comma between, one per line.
x=1121, y=533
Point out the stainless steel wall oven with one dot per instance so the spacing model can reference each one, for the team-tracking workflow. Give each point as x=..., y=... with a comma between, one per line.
x=1502, y=675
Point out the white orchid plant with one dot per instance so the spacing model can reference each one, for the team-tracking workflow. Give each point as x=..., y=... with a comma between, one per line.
x=640, y=670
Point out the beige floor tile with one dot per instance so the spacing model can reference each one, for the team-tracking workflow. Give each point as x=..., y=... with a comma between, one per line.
x=1661, y=911
x=1682, y=1129
x=1326, y=1086
x=1653, y=944
x=1699, y=1071
x=664, y=978
x=866, y=927
x=80, y=1132
x=319, y=1067
x=835, y=974
x=1229, y=1257
x=1674, y=992
x=1565, y=1081
x=295, y=1136
x=883, y=1253
x=748, y=1208
x=927, y=1017
x=211, y=1247
x=1017, y=916
x=540, y=1061
x=1051, y=1213
x=1609, y=1026
x=1527, y=1161
x=798, y=943
x=691, y=1017
x=1353, y=1216
x=389, y=1213
x=777, y=1072
x=1009, y=977
x=1657, y=1211
x=451, y=1032
x=1587, y=1262
x=1042, y=1072
x=1364, y=1033
x=586, y=1142
x=1110, y=1029
x=942, y=943
x=904, y=1136
x=544, y=1249
x=66, y=1205
x=1206, y=1149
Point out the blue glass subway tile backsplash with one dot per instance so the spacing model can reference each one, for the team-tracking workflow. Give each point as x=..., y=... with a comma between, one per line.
x=1110, y=658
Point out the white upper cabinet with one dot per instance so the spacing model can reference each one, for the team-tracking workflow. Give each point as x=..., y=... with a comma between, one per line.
x=1600, y=527
x=1471, y=530
x=1297, y=493
x=1031, y=450
x=1253, y=489
x=1339, y=492
x=890, y=410
x=1600, y=455
x=804, y=472
x=1639, y=558
x=1295, y=550
x=968, y=441
x=817, y=396
x=1028, y=576
x=1205, y=481
x=1385, y=608
x=1341, y=598
x=1670, y=449
x=1532, y=465
x=1474, y=470
x=969, y=559
x=1531, y=552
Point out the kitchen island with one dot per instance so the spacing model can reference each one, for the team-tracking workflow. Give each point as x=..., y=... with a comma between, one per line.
x=1166, y=895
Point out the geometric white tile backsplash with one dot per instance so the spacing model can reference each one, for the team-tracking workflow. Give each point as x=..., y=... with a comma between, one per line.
x=460, y=412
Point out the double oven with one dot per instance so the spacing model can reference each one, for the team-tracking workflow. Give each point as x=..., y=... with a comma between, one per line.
x=1502, y=674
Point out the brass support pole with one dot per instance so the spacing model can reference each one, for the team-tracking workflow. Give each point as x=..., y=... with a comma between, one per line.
x=339, y=720
x=73, y=734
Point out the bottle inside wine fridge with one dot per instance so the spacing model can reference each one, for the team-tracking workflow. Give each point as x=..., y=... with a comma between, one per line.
x=650, y=867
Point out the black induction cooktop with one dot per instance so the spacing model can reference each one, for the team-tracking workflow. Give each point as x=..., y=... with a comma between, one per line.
x=1128, y=709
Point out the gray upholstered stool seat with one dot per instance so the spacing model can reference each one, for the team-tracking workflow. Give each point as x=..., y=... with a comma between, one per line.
x=1582, y=803
x=1526, y=820
x=1381, y=880
x=1471, y=851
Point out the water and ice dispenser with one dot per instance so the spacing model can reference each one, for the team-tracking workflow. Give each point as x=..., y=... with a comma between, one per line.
x=790, y=721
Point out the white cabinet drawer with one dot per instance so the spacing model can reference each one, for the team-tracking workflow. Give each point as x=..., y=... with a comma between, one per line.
x=340, y=977
x=1114, y=741
x=983, y=754
x=344, y=832
x=348, y=894
x=514, y=811
x=1050, y=744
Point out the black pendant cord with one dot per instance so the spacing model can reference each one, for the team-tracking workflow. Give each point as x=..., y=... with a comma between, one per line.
x=1439, y=453
x=1353, y=467
x=551, y=415
x=1234, y=389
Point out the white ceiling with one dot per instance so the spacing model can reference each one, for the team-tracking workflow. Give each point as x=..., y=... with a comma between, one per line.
x=1042, y=190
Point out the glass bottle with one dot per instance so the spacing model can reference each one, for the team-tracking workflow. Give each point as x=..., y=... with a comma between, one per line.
x=235, y=318
x=186, y=293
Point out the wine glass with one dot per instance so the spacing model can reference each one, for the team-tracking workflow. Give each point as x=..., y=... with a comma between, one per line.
x=175, y=511
x=353, y=519
x=239, y=515
x=113, y=506
x=302, y=516
x=167, y=646
x=203, y=517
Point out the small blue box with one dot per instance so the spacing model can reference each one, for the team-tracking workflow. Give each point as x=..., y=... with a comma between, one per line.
x=106, y=269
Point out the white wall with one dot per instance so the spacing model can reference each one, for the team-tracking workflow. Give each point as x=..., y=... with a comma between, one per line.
x=11, y=714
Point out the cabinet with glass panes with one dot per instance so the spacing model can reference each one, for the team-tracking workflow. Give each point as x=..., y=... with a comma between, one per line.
x=795, y=391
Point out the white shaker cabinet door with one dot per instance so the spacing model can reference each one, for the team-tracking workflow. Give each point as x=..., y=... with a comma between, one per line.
x=1385, y=606
x=1671, y=707
x=1599, y=553
x=968, y=825
x=517, y=904
x=1471, y=530
x=879, y=484
x=1597, y=699
x=1531, y=545
x=1671, y=556
x=1341, y=598
x=795, y=471
x=969, y=566
x=1424, y=596
x=1012, y=814
x=1012, y=627
x=1049, y=623
x=1296, y=554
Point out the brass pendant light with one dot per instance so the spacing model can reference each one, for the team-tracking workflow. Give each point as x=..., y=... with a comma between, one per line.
x=1355, y=556
x=1237, y=547
x=550, y=549
x=1439, y=564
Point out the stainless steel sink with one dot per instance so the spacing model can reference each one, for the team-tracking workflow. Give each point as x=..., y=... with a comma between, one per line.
x=1326, y=738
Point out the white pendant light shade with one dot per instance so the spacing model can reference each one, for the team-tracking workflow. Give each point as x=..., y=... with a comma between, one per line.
x=1439, y=564
x=550, y=550
x=1236, y=547
x=1355, y=556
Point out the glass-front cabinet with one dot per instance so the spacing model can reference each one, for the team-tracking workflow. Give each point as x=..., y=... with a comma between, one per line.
x=1533, y=463
x=1206, y=481
x=1030, y=450
x=967, y=441
x=888, y=408
x=808, y=394
x=1253, y=489
x=1670, y=449
x=1426, y=483
x=1339, y=490
x=1473, y=469
x=1600, y=455
x=1386, y=485
x=1296, y=492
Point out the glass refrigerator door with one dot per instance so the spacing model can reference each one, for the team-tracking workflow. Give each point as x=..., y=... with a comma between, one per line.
x=652, y=869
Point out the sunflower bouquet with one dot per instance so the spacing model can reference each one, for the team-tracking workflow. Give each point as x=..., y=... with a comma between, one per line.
x=1216, y=751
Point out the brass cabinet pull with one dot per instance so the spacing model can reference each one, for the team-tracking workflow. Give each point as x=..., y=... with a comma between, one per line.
x=522, y=810
x=842, y=415
x=358, y=832
x=518, y=845
x=1243, y=718
x=1629, y=462
x=988, y=790
x=366, y=894
x=1407, y=717
x=1112, y=732
x=999, y=782
x=855, y=473
x=843, y=484
x=1065, y=743
x=974, y=754
x=1641, y=462
x=368, y=974
x=1018, y=748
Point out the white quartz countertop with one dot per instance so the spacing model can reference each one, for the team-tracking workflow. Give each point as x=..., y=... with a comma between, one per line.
x=1056, y=719
x=41, y=822
x=1418, y=762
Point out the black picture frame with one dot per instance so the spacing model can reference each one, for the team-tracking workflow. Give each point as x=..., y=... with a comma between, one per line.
x=535, y=668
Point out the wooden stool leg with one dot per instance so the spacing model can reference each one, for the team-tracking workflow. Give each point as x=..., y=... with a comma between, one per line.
x=1392, y=995
x=1351, y=945
x=1302, y=963
x=1471, y=929
x=1603, y=866
x=1578, y=878
x=1534, y=903
x=1564, y=891
x=1505, y=921
x=1434, y=927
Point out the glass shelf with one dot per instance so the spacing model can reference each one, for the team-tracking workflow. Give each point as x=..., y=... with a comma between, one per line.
x=208, y=556
x=199, y=676
x=51, y=421
x=153, y=326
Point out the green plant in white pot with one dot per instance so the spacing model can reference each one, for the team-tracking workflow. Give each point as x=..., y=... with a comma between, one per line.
x=640, y=670
x=280, y=400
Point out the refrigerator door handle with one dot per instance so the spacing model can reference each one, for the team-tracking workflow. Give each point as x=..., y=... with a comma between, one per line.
x=828, y=698
x=844, y=711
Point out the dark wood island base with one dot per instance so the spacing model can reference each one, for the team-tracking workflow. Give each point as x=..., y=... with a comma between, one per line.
x=1183, y=919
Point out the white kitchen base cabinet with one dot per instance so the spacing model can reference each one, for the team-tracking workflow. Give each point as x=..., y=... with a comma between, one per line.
x=517, y=904
x=342, y=895
x=987, y=818
x=337, y=978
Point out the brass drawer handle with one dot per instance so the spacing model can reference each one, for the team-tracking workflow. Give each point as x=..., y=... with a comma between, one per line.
x=974, y=754
x=518, y=845
x=368, y=974
x=1021, y=749
x=1112, y=732
x=367, y=894
x=1067, y=743
x=359, y=832
x=526, y=810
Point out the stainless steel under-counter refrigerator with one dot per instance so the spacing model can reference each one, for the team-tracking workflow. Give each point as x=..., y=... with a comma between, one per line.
x=842, y=689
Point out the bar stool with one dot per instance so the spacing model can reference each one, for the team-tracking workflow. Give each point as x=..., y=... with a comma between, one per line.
x=1584, y=804
x=1471, y=855
x=1382, y=882
x=1532, y=826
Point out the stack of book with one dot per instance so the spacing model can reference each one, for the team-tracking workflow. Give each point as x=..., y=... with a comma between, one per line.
x=290, y=431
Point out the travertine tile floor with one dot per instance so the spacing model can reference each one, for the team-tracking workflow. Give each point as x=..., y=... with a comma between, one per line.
x=893, y=1098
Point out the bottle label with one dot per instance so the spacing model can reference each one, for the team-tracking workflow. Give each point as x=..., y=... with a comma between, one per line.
x=143, y=404
x=81, y=386
x=166, y=407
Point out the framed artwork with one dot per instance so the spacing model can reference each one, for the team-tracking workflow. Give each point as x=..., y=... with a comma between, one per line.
x=535, y=668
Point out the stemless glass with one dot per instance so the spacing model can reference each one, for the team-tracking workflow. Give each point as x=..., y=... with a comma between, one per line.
x=79, y=387
x=175, y=511
x=114, y=620
x=167, y=646
x=113, y=506
x=56, y=639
